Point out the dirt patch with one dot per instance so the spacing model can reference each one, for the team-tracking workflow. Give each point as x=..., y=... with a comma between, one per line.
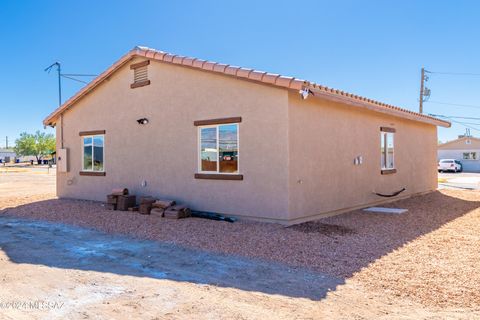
x=63, y=246
x=323, y=228
x=421, y=264
x=431, y=248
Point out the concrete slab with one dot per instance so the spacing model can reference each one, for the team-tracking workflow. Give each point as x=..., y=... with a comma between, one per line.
x=385, y=210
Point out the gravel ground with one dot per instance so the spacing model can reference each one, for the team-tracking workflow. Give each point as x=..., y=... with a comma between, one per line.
x=429, y=254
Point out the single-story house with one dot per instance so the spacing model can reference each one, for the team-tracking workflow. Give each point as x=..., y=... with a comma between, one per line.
x=7, y=155
x=466, y=149
x=238, y=141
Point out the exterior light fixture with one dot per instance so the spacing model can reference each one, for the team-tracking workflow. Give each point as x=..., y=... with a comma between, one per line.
x=305, y=92
x=142, y=121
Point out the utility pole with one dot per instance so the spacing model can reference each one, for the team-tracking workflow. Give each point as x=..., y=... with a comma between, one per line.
x=6, y=142
x=422, y=84
x=424, y=91
x=57, y=64
x=71, y=77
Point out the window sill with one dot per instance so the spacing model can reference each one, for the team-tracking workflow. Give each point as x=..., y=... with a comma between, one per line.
x=217, y=176
x=92, y=173
x=140, y=84
x=388, y=171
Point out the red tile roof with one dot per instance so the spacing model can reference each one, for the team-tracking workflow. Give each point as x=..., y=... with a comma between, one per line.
x=247, y=74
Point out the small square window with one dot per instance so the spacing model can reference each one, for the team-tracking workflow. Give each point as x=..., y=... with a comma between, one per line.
x=469, y=156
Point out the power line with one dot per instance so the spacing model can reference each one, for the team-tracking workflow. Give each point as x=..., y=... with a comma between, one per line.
x=79, y=75
x=63, y=75
x=457, y=122
x=472, y=123
x=454, y=73
x=455, y=117
x=455, y=104
x=465, y=125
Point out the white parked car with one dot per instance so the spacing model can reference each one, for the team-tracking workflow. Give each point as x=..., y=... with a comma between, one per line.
x=449, y=165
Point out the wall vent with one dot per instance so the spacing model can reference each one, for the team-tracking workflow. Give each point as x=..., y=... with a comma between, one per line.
x=140, y=74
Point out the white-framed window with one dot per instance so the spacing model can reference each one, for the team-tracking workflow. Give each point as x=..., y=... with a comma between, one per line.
x=218, y=148
x=387, y=148
x=93, y=153
x=470, y=156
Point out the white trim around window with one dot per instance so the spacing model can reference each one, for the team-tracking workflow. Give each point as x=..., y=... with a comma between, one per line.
x=91, y=140
x=227, y=159
x=387, y=150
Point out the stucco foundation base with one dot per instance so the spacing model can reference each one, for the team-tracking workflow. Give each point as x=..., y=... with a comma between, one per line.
x=329, y=213
x=312, y=217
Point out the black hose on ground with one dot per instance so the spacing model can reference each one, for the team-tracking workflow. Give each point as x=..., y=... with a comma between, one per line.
x=212, y=216
x=390, y=195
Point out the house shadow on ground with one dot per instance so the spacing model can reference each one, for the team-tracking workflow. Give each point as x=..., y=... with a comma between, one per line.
x=70, y=247
x=304, y=261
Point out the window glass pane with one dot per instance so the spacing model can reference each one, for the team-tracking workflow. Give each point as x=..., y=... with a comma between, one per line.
x=87, y=153
x=470, y=156
x=228, y=148
x=390, y=151
x=208, y=156
x=98, y=153
x=382, y=148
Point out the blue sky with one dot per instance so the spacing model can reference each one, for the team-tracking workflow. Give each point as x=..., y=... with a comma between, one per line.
x=371, y=48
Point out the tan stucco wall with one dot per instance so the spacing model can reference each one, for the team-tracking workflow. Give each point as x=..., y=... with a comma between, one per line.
x=164, y=152
x=324, y=139
x=296, y=155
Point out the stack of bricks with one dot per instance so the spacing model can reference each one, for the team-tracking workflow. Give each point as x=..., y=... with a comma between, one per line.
x=177, y=212
x=168, y=209
x=146, y=205
x=159, y=207
x=125, y=202
x=119, y=199
x=111, y=202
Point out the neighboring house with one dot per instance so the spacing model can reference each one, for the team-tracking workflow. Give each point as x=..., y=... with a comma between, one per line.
x=237, y=141
x=27, y=159
x=7, y=155
x=466, y=149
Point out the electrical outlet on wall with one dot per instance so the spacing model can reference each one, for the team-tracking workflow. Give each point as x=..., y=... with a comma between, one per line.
x=358, y=160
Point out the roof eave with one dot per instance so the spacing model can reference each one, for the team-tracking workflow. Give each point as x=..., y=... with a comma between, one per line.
x=262, y=77
x=51, y=119
x=365, y=103
x=457, y=140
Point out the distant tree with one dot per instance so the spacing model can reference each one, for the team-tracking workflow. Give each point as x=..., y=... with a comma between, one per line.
x=39, y=144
